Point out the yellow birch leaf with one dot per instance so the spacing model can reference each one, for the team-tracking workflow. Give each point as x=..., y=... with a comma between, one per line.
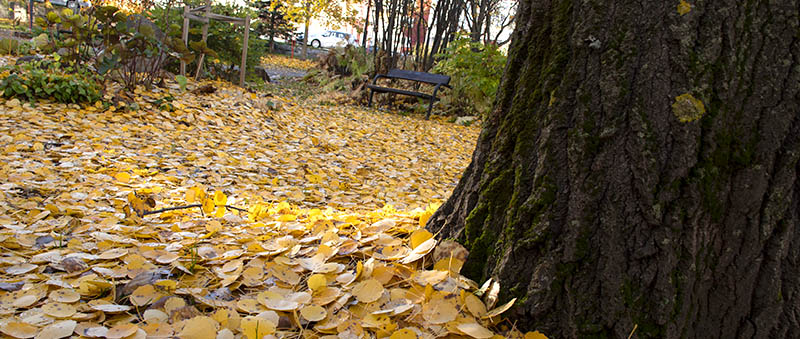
x=114, y=253
x=249, y=306
x=475, y=330
x=368, y=291
x=25, y=300
x=500, y=309
x=684, y=7
x=220, y=199
x=326, y=295
x=439, y=310
x=535, y=335
x=199, y=327
x=167, y=258
x=449, y=264
x=317, y=281
x=159, y=330
x=208, y=206
x=220, y=212
x=475, y=305
x=276, y=301
x=285, y=274
x=423, y=218
x=256, y=327
x=492, y=294
x=65, y=296
x=420, y=251
x=58, y=310
x=155, y=316
x=287, y=217
x=313, y=313
x=123, y=177
x=59, y=329
x=225, y=334
x=405, y=333
x=111, y=308
x=213, y=226
x=419, y=236
x=191, y=196
x=19, y=329
x=144, y=295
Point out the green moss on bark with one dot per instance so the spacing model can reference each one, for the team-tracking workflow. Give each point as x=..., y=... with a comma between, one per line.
x=480, y=232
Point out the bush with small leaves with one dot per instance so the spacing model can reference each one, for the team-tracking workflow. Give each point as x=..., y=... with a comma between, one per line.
x=47, y=79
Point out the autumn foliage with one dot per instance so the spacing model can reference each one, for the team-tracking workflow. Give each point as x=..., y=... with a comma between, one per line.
x=226, y=217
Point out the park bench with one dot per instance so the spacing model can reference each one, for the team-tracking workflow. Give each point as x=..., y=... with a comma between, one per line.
x=437, y=80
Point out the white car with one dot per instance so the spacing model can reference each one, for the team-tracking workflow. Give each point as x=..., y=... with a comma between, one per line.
x=72, y=4
x=330, y=39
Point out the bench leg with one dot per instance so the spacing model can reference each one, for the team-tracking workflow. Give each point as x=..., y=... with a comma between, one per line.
x=430, y=107
x=371, y=93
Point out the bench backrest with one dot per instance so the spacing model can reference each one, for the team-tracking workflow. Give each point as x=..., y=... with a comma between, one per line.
x=419, y=76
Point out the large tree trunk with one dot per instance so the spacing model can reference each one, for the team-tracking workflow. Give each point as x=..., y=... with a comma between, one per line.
x=640, y=169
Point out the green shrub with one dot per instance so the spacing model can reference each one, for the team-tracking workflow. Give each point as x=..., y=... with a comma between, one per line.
x=111, y=41
x=47, y=79
x=9, y=46
x=475, y=69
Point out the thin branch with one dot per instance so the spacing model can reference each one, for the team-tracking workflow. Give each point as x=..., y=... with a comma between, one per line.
x=171, y=209
x=175, y=208
x=235, y=208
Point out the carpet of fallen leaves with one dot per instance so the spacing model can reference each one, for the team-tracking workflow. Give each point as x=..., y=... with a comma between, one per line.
x=287, y=62
x=231, y=216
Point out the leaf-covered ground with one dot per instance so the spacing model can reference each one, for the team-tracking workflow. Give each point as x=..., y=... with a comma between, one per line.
x=306, y=221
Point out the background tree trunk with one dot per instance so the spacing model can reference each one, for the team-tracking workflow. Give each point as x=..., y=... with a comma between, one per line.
x=593, y=202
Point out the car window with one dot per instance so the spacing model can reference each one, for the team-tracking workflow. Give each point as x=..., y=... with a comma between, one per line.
x=326, y=34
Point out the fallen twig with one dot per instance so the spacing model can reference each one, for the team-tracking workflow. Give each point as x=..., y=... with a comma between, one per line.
x=175, y=208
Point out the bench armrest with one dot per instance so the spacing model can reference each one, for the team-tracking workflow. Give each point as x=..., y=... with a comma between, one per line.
x=378, y=76
x=436, y=89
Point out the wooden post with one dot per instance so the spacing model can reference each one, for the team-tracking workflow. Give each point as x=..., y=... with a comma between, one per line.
x=30, y=15
x=205, y=38
x=185, y=36
x=243, y=68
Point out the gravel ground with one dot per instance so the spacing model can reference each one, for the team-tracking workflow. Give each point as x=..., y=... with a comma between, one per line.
x=281, y=73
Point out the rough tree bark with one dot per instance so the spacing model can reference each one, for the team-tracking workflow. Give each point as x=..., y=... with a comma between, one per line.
x=640, y=168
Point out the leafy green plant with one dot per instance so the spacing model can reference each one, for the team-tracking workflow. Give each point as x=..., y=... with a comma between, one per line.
x=112, y=41
x=9, y=46
x=182, y=81
x=135, y=48
x=475, y=69
x=47, y=79
x=73, y=34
